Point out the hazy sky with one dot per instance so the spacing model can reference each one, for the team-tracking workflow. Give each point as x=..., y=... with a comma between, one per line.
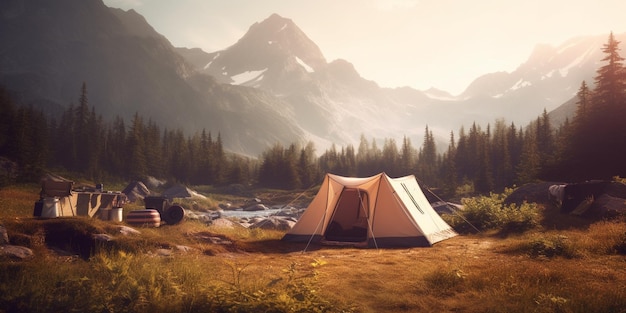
x=419, y=43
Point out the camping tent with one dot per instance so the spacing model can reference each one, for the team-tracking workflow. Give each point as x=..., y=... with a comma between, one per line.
x=376, y=211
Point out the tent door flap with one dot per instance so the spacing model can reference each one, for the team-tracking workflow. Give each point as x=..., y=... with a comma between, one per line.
x=349, y=222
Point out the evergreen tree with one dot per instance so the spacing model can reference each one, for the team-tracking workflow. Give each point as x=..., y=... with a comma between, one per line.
x=268, y=171
x=271, y=172
x=348, y=161
x=474, y=150
x=583, y=103
x=563, y=136
x=329, y=160
x=291, y=177
x=179, y=156
x=461, y=157
x=375, y=165
x=366, y=158
x=308, y=171
x=529, y=166
x=8, y=113
x=204, y=173
x=484, y=180
x=597, y=146
x=219, y=163
x=448, y=169
x=192, y=160
x=115, y=153
x=610, y=83
x=609, y=113
x=408, y=156
x=545, y=140
x=137, y=166
x=427, y=159
x=65, y=148
x=84, y=143
x=390, y=157
x=503, y=173
x=238, y=171
x=95, y=150
x=153, y=150
x=576, y=152
x=31, y=153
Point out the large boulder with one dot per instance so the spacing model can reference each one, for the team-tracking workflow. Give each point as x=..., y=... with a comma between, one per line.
x=531, y=193
x=616, y=189
x=256, y=207
x=16, y=252
x=225, y=223
x=136, y=191
x=608, y=206
x=153, y=182
x=204, y=217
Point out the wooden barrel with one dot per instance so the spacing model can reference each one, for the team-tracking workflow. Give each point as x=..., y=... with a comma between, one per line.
x=147, y=218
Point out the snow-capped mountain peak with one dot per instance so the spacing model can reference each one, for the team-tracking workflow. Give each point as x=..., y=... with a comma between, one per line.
x=270, y=50
x=549, y=77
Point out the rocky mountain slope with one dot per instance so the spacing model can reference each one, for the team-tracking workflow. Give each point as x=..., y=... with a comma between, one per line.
x=272, y=85
x=50, y=48
x=332, y=101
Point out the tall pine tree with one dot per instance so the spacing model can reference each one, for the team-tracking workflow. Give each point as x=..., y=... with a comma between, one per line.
x=598, y=143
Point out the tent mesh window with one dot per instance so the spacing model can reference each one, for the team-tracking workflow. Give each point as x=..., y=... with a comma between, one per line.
x=412, y=198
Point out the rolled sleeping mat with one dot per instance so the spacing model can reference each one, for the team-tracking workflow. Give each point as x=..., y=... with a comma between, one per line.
x=173, y=215
x=147, y=218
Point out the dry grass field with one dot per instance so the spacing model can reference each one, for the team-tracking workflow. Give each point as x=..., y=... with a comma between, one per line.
x=561, y=266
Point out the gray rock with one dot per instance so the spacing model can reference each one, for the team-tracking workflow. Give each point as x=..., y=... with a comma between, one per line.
x=226, y=223
x=182, y=248
x=102, y=237
x=4, y=235
x=17, y=252
x=204, y=217
x=125, y=230
x=164, y=252
x=256, y=207
x=256, y=219
x=273, y=222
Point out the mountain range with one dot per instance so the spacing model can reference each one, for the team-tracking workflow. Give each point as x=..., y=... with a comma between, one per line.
x=273, y=85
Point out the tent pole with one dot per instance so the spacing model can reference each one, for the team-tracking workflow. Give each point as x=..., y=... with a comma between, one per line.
x=318, y=224
x=313, y=234
x=449, y=206
x=369, y=222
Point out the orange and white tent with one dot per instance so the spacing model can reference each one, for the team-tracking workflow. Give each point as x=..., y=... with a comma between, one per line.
x=376, y=211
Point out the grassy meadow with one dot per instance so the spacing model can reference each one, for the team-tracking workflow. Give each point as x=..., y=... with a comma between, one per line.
x=554, y=263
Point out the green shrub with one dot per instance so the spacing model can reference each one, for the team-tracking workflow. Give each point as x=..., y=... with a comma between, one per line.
x=490, y=212
x=464, y=190
x=519, y=219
